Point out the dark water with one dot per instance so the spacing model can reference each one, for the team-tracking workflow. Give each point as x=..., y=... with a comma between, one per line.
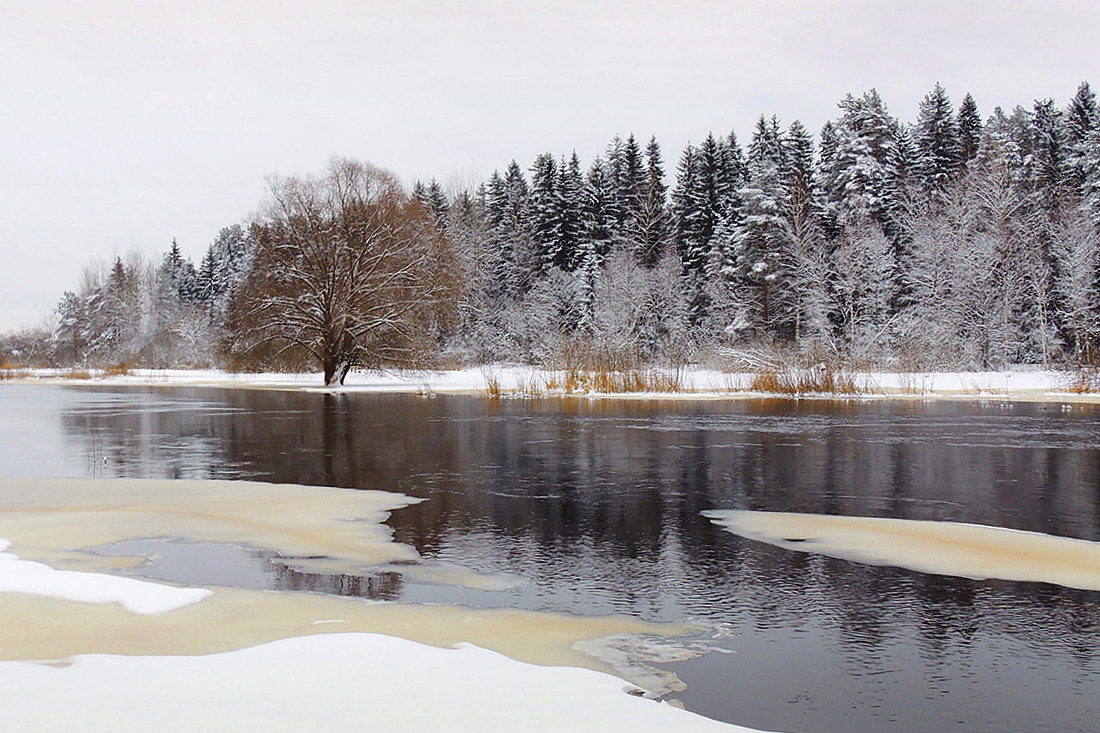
x=596, y=507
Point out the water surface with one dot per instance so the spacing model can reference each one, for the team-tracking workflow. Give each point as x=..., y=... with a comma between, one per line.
x=594, y=507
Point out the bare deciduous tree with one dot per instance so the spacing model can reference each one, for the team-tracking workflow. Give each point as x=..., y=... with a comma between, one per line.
x=348, y=271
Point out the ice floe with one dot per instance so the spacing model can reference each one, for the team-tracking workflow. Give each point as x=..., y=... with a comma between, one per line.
x=941, y=548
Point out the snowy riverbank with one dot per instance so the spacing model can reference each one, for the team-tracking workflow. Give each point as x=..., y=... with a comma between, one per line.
x=82, y=647
x=1031, y=385
x=330, y=682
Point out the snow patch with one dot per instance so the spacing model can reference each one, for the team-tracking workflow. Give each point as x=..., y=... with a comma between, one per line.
x=136, y=596
x=330, y=682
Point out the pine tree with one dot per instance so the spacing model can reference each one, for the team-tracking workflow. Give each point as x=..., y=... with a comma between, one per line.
x=1076, y=252
x=903, y=201
x=178, y=277
x=802, y=252
x=736, y=170
x=224, y=268
x=113, y=311
x=600, y=211
x=717, y=180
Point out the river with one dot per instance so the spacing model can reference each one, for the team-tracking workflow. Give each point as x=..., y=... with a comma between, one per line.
x=595, y=506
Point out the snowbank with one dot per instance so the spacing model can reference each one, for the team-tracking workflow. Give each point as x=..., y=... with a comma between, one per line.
x=136, y=596
x=940, y=548
x=329, y=682
x=696, y=383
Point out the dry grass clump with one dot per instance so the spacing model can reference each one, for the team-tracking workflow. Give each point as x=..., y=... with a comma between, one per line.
x=492, y=387
x=606, y=371
x=1084, y=380
x=11, y=371
x=533, y=386
x=623, y=382
x=118, y=370
x=590, y=375
x=817, y=380
x=76, y=374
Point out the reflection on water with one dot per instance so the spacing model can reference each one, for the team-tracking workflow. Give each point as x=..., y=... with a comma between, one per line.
x=596, y=506
x=235, y=566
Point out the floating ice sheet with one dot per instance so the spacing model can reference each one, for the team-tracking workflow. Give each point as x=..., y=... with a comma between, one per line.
x=941, y=548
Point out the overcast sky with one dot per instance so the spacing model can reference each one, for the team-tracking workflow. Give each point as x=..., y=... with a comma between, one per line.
x=124, y=124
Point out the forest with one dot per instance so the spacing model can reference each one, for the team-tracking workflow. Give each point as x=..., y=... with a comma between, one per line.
x=947, y=242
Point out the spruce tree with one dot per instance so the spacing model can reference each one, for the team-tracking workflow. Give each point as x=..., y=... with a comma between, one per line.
x=545, y=211
x=855, y=163
x=970, y=129
x=571, y=217
x=1050, y=174
x=652, y=222
x=798, y=152
x=600, y=217
x=687, y=208
x=630, y=184
x=1082, y=120
x=435, y=203
x=937, y=138
x=753, y=258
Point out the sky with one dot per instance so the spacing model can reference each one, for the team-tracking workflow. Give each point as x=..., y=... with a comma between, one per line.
x=125, y=124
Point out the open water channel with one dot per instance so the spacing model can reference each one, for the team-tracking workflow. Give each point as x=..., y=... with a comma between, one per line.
x=594, y=507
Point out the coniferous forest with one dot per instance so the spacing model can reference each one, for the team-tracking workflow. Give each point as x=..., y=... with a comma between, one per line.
x=958, y=240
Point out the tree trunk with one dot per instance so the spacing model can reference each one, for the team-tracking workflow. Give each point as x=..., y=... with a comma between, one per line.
x=336, y=368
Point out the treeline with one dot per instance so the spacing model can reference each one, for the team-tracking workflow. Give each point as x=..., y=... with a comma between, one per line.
x=156, y=314
x=949, y=241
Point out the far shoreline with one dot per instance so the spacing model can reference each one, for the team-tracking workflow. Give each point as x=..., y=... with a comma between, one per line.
x=523, y=382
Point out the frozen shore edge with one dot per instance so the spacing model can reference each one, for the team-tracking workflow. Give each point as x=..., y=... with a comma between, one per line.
x=1022, y=385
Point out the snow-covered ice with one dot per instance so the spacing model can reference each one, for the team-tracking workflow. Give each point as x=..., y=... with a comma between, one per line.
x=941, y=548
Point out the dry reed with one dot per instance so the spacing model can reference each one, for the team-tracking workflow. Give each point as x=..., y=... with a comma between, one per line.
x=818, y=380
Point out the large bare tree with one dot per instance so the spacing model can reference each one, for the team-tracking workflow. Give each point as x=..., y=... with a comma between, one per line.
x=349, y=271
